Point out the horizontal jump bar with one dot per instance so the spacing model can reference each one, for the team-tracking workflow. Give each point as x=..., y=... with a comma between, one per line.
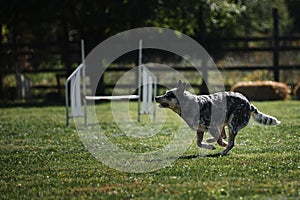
x=112, y=97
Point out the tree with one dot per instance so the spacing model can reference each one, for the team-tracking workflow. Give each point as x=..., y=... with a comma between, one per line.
x=37, y=21
x=294, y=7
x=258, y=17
x=184, y=16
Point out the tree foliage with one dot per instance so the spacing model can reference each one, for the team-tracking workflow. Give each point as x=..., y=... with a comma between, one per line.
x=34, y=20
x=63, y=21
x=258, y=17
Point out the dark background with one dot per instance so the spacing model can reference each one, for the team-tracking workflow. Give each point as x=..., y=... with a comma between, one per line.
x=40, y=39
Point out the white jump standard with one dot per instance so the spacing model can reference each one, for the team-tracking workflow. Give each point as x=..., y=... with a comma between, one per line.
x=147, y=89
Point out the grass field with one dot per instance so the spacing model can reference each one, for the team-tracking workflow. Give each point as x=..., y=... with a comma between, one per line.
x=41, y=158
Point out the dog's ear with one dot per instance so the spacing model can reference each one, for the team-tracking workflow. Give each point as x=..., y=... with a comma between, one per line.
x=179, y=83
x=181, y=87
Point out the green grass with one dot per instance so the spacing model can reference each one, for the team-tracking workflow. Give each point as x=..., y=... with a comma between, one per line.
x=41, y=158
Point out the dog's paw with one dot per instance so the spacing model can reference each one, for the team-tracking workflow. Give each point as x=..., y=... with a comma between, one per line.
x=224, y=143
x=208, y=146
x=212, y=147
x=199, y=144
x=211, y=140
x=224, y=153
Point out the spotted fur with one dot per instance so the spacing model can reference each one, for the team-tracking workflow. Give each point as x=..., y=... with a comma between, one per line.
x=212, y=113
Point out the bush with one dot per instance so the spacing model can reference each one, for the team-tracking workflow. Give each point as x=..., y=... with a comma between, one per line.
x=297, y=91
x=262, y=90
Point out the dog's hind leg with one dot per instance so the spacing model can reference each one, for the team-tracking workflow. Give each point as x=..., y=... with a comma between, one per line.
x=221, y=140
x=215, y=132
x=232, y=133
x=223, y=133
x=201, y=144
x=234, y=126
x=218, y=136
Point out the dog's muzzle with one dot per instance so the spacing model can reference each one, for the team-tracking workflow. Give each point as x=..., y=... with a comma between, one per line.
x=162, y=104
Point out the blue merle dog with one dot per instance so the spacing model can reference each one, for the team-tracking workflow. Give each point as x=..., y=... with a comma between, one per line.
x=212, y=113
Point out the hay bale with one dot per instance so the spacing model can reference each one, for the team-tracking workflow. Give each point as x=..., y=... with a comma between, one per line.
x=262, y=90
x=297, y=91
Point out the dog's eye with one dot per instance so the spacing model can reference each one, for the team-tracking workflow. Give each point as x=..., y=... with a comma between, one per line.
x=170, y=95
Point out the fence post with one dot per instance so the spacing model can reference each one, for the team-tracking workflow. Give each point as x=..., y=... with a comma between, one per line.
x=202, y=35
x=275, y=45
x=1, y=66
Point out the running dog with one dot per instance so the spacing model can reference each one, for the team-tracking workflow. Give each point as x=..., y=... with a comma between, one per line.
x=212, y=113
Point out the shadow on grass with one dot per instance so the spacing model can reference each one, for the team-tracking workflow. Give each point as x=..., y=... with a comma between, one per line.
x=215, y=155
x=189, y=157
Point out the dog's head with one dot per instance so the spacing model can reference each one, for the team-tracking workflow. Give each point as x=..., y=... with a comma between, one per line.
x=171, y=98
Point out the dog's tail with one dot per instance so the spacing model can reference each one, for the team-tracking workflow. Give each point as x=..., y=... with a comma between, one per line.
x=263, y=118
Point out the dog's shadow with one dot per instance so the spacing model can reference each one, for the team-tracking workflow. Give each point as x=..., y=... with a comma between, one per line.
x=215, y=155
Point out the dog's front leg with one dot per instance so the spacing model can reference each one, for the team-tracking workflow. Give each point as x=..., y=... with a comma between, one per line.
x=199, y=138
x=201, y=144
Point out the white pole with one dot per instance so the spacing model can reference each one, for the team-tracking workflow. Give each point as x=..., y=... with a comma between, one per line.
x=154, y=95
x=67, y=104
x=139, y=80
x=83, y=81
x=149, y=100
x=145, y=91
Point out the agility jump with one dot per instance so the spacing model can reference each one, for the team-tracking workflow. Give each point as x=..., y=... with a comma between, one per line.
x=147, y=89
